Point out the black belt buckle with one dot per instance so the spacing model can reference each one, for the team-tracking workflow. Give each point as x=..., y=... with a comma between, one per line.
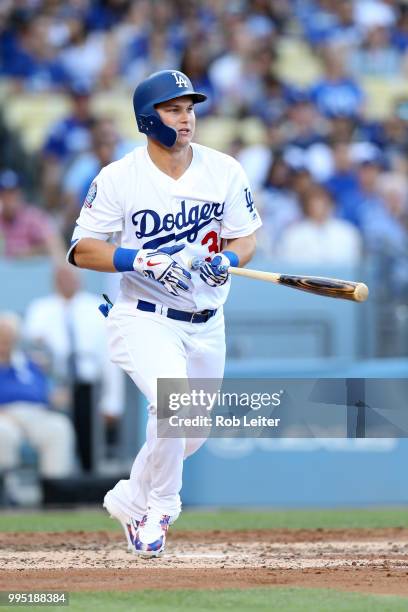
x=203, y=316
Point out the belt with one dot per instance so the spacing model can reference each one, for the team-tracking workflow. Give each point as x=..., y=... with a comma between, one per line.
x=178, y=315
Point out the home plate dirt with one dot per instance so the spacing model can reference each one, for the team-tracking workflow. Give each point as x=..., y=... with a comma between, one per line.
x=356, y=560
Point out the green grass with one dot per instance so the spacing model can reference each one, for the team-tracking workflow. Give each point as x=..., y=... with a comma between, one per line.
x=91, y=520
x=282, y=599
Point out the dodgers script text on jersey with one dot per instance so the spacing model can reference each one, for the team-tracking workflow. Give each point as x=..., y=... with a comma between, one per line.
x=146, y=208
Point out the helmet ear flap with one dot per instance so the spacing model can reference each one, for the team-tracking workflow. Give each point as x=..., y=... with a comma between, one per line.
x=161, y=87
x=153, y=126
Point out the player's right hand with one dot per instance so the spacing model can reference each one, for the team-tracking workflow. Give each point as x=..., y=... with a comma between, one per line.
x=160, y=266
x=215, y=272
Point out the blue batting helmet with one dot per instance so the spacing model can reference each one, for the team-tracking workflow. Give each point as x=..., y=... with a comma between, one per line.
x=160, y=87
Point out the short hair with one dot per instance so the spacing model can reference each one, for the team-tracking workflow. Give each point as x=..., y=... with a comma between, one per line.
x=316, y=191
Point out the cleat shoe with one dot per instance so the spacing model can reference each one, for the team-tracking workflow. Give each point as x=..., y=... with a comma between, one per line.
x=150, y=540
x=129, y=525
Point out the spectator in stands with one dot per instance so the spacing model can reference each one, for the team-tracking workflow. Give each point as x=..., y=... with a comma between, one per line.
x=306, y=137
x=8, y=35
x=162, y=50
x=315, y=160
x=257, y=158
x=399, y=35
x=133, y=30
x=260, y=20
x=26, y=413
x=71, y=135
x=25, y=230
x=301, y=179
x=376, y=56
x=320, y=238
x=373, y=13
x=345, y=33
x=333, y=25
x=104, y=15
x=228, y=73
x=258, y=67
x=278, y=205
x=107, y=146
x=34, y=65
x=152, y=36
x=89, y=56
x=69, y=327
x=272, y=102
x=344, y=176
x=281, y=13
x=393, y=186
x=366, y=208
x=194, y=62
x=318, y=19
x=342, y=128
x=336, y=93
x=391, y=135
x=158, y=54
x=67, y=138
x=304, y=126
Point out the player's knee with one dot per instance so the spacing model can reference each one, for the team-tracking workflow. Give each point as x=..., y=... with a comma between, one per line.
x=59, y=428
x=11, y=438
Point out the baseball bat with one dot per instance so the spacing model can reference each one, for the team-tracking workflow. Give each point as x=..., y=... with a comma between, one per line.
x=319, y=285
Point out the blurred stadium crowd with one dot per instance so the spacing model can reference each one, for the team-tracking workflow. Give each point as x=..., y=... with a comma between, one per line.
x=311, y=96
x=308, y=94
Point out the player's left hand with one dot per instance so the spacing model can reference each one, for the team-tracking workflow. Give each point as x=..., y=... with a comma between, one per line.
x=215, y=272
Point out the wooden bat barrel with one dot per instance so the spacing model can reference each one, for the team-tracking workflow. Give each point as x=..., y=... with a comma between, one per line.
x=319, y=285
x=329, y=287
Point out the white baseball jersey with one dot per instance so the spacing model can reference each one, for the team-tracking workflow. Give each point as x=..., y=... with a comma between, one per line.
x=149, y=209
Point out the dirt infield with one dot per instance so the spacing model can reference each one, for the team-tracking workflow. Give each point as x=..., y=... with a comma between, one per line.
x=371, y=561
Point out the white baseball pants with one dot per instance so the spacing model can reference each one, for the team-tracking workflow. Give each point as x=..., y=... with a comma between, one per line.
x=149, y=346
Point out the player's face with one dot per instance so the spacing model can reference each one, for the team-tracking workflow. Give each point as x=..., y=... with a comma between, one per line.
x=179, y=114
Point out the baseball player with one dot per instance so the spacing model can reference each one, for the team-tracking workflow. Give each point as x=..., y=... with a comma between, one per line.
x=166, y=203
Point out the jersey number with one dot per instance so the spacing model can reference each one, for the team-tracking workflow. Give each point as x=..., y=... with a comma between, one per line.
x=212, y=240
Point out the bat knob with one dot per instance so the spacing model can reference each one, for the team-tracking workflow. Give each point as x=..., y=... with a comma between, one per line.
x=195, y=263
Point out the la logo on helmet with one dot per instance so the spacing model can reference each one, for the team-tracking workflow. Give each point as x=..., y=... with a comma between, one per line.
x=180, y=80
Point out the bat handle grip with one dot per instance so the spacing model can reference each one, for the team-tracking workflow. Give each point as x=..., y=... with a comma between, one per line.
x=196, y=262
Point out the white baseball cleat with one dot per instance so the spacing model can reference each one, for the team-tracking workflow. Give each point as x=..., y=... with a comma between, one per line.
x=150, y=540
x=129, y=524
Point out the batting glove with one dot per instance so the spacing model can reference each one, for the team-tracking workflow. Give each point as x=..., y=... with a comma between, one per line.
x=215, y=272
x=160, y=266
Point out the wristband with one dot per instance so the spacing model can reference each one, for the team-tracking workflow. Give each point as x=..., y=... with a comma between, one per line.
x=123, y=259
x=233, y=258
